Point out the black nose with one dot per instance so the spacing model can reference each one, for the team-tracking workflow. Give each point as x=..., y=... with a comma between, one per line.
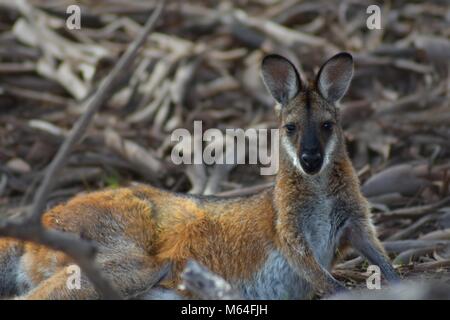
x=311, y=162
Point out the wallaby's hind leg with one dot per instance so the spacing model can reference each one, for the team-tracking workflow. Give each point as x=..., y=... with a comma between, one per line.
x=56, y=288
x=10, y=253
x=129, y=273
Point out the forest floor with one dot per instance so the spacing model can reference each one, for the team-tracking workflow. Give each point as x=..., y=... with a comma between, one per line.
x=202, y=63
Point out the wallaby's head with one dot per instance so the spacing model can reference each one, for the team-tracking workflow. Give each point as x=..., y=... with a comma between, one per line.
x=310, y=128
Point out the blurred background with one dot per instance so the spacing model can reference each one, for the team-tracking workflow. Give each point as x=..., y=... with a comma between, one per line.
x=202, y=63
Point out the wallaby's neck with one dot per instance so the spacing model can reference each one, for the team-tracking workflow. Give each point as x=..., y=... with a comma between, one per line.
x=293, y=186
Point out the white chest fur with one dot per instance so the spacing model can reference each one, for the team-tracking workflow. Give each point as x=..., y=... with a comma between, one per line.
x=322, y=226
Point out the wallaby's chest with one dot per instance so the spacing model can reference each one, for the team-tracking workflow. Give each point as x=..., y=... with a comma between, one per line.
x=321, y=223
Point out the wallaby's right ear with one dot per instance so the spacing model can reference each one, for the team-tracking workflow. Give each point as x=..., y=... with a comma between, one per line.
x=280, y=77
x=334, y=76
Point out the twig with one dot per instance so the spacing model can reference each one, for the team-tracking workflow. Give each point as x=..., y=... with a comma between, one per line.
x=413, y=212
x=99, y=98
x=350, y=274
x=134, y=154
x=350, y=263
x=246, y=191
x=407, y=232
x=206, y=285
x=409, y=255
x=403, y=245
x=433, y=265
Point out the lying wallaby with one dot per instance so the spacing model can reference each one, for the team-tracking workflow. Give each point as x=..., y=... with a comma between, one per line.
x=278, y=244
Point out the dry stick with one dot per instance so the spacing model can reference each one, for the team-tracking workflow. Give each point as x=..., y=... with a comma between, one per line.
x=246, y=191
x=403, y=245
x=407, y=232
x=205, y=284
x=427, y=266
x=349, y=263
x=350, y=274
x=407, y=256
x=413, y=212
x=102, y=94
x=219, y=174
x=30, y=228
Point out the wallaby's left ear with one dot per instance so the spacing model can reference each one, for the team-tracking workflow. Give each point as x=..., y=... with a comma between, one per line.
x=335, y=76
x=280, y=77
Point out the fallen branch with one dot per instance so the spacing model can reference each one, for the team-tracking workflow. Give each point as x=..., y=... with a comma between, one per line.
x=135, y=154
x=205, y=284
x=409, y=255
x=403, y=245
x=246, y=191
x=433, y=265
x=410, y=230
x=413, y=212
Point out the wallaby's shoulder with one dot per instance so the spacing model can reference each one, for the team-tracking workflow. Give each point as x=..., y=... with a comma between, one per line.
x=344, y=186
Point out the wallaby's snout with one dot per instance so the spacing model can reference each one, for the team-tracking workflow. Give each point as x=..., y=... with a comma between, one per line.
x=311, y=161
x=308, y=115
x=311, y=151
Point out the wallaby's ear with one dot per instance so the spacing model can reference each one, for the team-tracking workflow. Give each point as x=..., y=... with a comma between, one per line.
x=334, y=77
x=280, y=77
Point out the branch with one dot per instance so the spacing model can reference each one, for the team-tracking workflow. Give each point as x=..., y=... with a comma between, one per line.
x=205, y=284
x=413, y=212
x=99, y=98
x=30, y=228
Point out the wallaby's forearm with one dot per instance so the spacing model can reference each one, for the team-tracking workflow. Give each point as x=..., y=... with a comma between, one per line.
x=363, y=238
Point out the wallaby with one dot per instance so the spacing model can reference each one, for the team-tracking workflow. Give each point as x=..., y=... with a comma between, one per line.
x=277, y=244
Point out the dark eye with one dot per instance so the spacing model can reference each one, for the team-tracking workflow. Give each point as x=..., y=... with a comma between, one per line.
x=290, y=127
x=327, y=125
